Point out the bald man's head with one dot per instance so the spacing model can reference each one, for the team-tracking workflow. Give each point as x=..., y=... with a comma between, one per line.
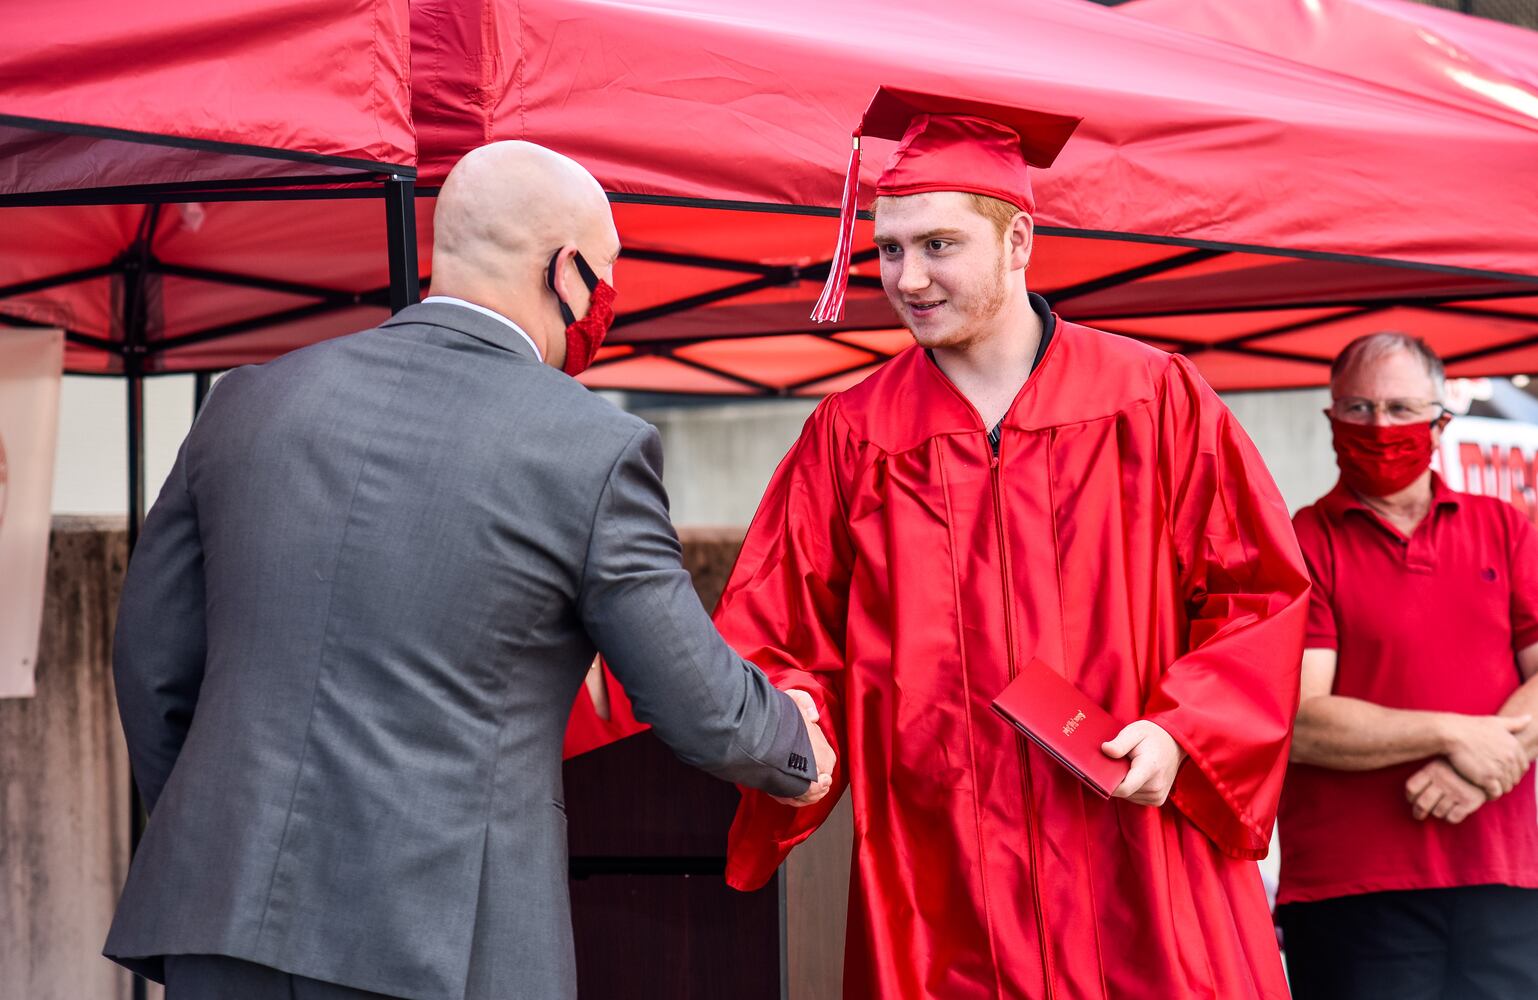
x=504, y=211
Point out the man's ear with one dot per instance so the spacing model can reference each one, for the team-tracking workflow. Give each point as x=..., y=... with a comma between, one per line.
x=561, y=277
x=1021, y=240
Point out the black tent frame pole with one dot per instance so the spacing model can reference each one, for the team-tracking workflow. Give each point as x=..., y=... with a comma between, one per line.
x=135, y=320
x=133, y=369
x=401, y=232
x=135, y=384
x=201, y=383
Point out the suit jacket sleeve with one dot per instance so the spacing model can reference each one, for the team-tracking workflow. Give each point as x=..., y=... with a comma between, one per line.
x=161, y=639
x=1230, y=699
x=638, y=604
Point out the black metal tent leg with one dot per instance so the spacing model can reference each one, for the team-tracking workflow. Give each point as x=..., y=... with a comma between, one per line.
x=201, y=383
x=135, y=387
x=135, y=320
x=135, y=384
x=401, y=230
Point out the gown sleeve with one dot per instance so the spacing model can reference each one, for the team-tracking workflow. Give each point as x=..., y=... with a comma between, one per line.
x=784, y=609
x=1230, y=699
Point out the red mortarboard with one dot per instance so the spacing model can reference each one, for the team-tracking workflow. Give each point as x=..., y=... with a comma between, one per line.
x=946, y=144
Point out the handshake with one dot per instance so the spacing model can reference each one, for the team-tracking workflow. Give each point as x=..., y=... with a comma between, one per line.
x=822, y=752
x=1483, y=759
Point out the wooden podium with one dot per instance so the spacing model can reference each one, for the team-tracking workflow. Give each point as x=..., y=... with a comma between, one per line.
x=653, y=916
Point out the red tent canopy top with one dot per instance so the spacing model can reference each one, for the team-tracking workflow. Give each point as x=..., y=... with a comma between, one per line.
x=1249, y=210
x=186, y=99
x=95, y=97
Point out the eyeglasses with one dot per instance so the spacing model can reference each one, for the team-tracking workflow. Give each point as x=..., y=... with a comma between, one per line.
x=1354, y=410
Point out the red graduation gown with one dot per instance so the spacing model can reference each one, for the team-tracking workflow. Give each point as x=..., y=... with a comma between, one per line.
x=1129, y=534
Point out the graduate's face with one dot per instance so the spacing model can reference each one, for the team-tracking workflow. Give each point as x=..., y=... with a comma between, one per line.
x=945, y=266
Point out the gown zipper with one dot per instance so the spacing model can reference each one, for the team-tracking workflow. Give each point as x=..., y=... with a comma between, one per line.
x=1020, y=741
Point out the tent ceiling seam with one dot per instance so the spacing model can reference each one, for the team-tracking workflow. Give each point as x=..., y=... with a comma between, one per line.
x=761, y=387
x=1131, y=274
x=59, y=280
x=200, y=145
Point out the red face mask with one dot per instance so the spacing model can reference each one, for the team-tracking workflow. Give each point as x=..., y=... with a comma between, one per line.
x=584, y=336
x=1378, y=460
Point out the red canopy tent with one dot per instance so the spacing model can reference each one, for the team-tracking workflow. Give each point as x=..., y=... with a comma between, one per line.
x=1395, y=44
x=1373, y=40
x=102, y=96
x=1244, y=208
x=106, y=112
x=1503, y=47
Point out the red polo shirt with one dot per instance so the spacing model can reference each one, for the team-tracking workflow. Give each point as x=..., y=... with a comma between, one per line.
x=1430, y=622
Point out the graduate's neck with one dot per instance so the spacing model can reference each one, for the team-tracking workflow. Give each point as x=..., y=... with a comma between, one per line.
x=990, y=367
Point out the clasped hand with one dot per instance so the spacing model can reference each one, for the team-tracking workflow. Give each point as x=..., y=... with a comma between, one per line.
x=822, y=753
x=1485, y=750
x=1486, y=759
x=1438, y=790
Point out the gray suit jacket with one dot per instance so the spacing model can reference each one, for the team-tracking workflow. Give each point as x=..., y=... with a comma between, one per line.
x=349, y=642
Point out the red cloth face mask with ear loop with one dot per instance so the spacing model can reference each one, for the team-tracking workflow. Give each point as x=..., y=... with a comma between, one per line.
x=584, y=336
x=1378, y=460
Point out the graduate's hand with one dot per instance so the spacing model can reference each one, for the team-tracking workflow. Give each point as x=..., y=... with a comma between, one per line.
x=1486, y=751
x=822, y=753
x=1439, y=790
x=1155, y=758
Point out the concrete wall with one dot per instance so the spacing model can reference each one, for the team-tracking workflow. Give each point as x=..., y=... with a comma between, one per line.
x=63, y=783
x=718, y=458
x=91, y=469
x=1293, y=436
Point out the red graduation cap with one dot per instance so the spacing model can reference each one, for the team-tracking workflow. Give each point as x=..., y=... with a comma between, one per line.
x=945, y=144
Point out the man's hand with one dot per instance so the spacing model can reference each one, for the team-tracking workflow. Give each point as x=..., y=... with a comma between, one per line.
x=1438, y=790
x=822, y=752
x=1486, y=751
x=1155, y=759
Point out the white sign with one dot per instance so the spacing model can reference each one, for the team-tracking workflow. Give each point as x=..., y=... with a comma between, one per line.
x=31, y=366
x=1492, y=458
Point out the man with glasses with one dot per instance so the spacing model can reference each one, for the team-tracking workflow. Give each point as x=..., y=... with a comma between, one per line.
x=1408, y=827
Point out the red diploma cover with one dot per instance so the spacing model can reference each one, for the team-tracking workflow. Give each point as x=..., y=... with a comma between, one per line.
x=1065, y=722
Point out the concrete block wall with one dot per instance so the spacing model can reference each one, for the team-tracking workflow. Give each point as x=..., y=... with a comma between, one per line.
x=717, y=459
x=63, y=783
